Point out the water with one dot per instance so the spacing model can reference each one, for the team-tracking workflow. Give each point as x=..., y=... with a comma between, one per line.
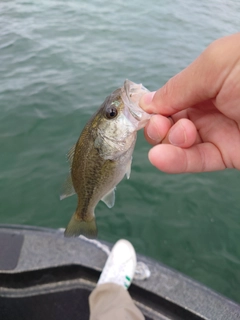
x=58, y=62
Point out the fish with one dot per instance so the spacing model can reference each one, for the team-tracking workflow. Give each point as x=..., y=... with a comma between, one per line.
x=102, y=156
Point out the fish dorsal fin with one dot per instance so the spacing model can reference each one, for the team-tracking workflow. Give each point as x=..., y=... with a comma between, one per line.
x=70, y=154
x=67, y=188
x=109, y=198
x=128, y=172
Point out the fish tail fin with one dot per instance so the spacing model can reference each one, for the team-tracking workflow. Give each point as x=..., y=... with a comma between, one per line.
x=78, y=227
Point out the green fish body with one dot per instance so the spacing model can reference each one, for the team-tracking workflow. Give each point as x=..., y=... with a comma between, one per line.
x=103, y=155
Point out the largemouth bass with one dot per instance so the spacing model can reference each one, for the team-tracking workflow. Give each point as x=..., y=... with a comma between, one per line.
x=103, y=155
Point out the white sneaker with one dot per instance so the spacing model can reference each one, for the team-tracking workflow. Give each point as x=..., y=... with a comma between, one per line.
x=120, y=265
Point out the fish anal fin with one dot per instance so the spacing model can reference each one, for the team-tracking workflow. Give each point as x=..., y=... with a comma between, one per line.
x=109, y=198
x=67, y=188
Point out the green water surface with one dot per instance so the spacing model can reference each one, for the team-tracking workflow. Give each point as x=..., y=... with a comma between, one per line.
x=58, y=62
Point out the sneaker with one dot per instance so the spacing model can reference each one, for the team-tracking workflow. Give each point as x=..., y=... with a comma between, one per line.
x=120, y=265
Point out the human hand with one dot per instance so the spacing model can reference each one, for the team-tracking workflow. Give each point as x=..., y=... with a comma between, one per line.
x=196, y=126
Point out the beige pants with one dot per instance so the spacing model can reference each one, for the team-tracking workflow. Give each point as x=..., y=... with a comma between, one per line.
x=110, y=301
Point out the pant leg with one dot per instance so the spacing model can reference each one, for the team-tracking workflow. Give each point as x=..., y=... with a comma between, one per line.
x=110, y=301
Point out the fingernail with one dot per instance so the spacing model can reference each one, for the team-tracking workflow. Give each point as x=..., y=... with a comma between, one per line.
x=146, y=100
x=152, y=131
x=177, y=135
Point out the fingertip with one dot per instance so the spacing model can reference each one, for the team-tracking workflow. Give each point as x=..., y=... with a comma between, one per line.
x=151, y=156
x=183, y=133
x=157, y=128
x=167, y=158
x=149, y=140
x=156, y=157
x=198, y=158
x=146, y=100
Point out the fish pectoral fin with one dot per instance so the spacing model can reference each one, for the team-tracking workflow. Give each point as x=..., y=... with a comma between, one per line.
x=77, y=227
x=109, y=198
x=67, y=188
x=128, y=172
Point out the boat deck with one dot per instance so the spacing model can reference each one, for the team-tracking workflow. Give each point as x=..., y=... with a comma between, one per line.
x=46, y=276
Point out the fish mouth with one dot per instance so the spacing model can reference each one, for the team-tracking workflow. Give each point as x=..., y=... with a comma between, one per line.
x=135, y=115
x=133, y=93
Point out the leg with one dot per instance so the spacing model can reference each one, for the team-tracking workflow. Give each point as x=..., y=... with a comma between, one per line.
x=111, y=300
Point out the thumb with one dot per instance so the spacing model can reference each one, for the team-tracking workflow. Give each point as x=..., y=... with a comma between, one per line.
x=200, y=81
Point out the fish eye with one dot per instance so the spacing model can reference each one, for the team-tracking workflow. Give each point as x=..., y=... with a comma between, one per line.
x=111, y=112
